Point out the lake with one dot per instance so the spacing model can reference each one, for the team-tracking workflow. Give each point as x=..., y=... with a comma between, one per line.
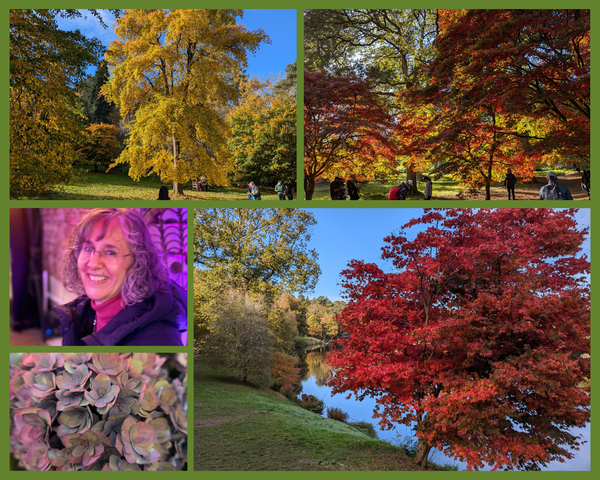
x=316, y=371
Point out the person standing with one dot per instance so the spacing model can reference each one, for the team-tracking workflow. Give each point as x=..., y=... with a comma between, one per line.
x=279, y=190
x=249, y=191
x=352, y=190
x=585, y=182
x=288, y=192
x=509, y=182
x=334, y=189
x=554, y=191
x=163, y=193
x=428, y=188
x=255, y=191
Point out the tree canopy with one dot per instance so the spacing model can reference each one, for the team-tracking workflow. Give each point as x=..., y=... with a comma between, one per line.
x=473, y=92
x=258, y=249
x=263, y=137
x=173, y=72
x=46, y=67
x=478, y=336
x=343, y=119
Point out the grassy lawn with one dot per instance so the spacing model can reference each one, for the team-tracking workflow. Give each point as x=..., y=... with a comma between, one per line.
x=117, y=185
x=237, y=427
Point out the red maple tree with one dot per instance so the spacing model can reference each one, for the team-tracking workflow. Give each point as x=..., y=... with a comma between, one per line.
x=508, y=89
x=343, y=119
x=478, y=338
x=532, y=62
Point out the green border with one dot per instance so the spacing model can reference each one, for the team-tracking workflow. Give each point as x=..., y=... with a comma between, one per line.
x=5, y=203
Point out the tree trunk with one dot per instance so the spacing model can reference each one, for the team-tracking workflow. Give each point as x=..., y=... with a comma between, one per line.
x=411, y=175
x=177, y=187
x=422, y=453
x=309, y=187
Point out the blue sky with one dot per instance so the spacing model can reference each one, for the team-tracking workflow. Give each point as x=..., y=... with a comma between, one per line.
x=269, y=60
x=344, y=234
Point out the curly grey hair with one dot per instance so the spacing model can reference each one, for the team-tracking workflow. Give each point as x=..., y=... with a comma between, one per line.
x=147, y=273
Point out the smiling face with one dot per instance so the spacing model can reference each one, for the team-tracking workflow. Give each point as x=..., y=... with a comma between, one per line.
x=102, y=279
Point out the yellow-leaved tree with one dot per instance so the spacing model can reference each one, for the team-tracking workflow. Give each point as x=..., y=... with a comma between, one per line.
x=173, y=74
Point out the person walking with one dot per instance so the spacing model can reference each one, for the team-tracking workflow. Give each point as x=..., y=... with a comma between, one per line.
x=554, y=191
x=509, y=182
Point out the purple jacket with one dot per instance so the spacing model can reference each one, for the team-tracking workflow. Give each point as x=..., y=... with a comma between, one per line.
x=158, y=320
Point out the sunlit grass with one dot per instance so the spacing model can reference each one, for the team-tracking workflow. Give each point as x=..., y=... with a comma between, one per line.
x=117, y=185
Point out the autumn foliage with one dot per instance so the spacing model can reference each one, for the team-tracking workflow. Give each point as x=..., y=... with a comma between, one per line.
x=506, y=89
x=478, y=337
x=175, y=72
x=101, y=144
x=343, y=120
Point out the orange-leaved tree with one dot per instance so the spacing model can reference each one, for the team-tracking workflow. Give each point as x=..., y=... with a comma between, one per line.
x=479, y=338
x=343, y=118
x=101, y=145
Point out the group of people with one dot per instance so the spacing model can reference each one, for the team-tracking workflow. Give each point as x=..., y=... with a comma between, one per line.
x=400, y=191
x=341, y=189
x=552, y=190
x=284, y=192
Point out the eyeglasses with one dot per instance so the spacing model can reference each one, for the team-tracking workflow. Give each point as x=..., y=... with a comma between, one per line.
x=85, y=253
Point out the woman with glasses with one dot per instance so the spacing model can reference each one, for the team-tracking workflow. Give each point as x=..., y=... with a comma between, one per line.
x=126, y=296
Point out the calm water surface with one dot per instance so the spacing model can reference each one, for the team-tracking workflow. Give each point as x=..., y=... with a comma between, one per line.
x=318, y=371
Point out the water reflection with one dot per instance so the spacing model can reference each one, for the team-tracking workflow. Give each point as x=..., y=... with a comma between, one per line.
x=315, y=372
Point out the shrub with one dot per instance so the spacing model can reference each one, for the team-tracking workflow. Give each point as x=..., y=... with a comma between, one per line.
x=285, y=375
x=365, y=427
x=337, y=414
x=99, y=411
x=240, y=343
x=312, y=404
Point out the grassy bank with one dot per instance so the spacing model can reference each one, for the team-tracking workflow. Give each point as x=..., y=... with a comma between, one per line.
x=237, y=427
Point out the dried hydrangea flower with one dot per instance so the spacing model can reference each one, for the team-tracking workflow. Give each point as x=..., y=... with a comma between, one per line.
x=102, y=392
x=111, y=427
x=148, y=400
x=32, y=423
x=86, y=447
x=130, y=381
x=107, y=363
x=126, y=402
x=74, y=360
x=74, y=381
x=136, y=442
x=47, y=362
x=37, y=456
x=117, y=464
x=100, y=411
x=41, y=385
x=74, y=420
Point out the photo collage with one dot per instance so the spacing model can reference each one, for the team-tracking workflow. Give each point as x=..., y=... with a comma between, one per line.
x=217, y=334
